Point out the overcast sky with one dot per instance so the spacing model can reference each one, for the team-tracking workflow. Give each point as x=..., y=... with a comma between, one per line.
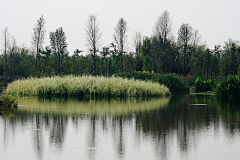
x=216, y=20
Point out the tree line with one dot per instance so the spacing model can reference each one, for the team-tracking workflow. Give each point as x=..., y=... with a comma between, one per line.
x=159, y=53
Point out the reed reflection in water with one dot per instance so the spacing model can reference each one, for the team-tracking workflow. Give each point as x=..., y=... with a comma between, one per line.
x=158, y=128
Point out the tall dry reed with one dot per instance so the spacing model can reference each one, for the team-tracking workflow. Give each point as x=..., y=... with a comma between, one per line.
x=86, y=86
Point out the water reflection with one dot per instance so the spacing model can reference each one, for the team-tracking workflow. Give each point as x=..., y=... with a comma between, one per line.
x=160, y=128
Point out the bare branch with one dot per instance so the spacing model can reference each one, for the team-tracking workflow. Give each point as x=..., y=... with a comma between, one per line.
x=163, y=26
x=120, y=35
x=6, y=40
x=196, y=38
x=38, y=34
x=137, y=41
x=93, y=37
x=184, y=34
x=93, y=34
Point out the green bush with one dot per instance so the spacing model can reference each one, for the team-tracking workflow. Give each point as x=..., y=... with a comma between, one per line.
x=228, y=87
x=203, y=85
x=171, y=81
x=8, y=102
x=137, y=75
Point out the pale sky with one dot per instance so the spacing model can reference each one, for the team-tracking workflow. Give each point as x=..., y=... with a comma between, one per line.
x=216, y=20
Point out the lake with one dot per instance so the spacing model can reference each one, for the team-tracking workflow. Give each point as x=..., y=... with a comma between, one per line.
x=178, y=127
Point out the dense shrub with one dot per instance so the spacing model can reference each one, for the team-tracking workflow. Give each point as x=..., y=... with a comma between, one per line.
x=86, y=86
x=8, y=102
x=204, y=85
x=137, y=75
x=228, y=87
x=173, y=82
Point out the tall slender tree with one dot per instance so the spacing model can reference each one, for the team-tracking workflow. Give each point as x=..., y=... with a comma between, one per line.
x=137, y=43
x=12, y=51
x=38, y=37
x=6, y=44
x=58, y=41
x=184, y=38
x=93, y=37
x=120, y=38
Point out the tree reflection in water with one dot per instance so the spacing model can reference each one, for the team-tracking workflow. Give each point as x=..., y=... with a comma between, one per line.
x=58, y=130
x=159, y=122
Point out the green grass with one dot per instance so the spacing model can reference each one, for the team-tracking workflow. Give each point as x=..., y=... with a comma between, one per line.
x=86, y=86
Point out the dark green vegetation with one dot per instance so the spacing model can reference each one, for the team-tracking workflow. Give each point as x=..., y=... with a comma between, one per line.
x=159, y=53
x=175, y=83
x=226, y=87
x=204, y=85
x=7, y=102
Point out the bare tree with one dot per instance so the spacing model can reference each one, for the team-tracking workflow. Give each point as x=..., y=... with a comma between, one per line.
x=38, y=36
x=93, y=37
x=163, y=26
x=6, y=43
x=12, y=51
x=137, y=42
x=120, y=38
x=196, y=38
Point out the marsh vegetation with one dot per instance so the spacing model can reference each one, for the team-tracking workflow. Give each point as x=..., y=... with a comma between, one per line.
x=86, y=86
x=8, y=102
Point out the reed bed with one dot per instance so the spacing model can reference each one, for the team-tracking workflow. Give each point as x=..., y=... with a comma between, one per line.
x=86, y=86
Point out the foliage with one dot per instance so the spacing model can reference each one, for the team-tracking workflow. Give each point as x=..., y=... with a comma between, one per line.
x=228, y=87
x=159, y=53
x=137, y=75
x=86, y=86
x=58, y=42
x=173, y=82
x=204, y=85
x=8, y=102
x=190, y=79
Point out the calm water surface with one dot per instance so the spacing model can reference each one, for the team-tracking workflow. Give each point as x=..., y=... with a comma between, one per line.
x=181, y=127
